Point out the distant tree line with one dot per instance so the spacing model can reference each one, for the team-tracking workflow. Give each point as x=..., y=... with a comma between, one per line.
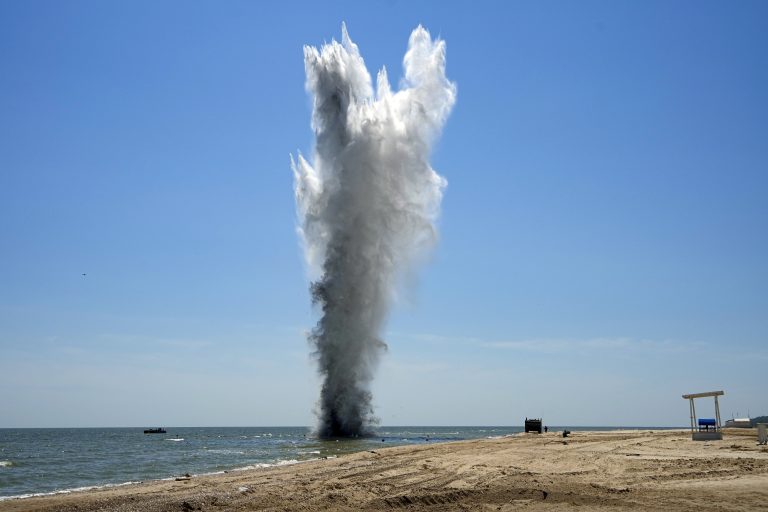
x=760, y=419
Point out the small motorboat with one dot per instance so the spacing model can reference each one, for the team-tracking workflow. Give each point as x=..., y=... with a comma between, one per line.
x=159, y=430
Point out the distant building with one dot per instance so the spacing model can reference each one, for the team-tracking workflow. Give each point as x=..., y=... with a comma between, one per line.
x=738, y=423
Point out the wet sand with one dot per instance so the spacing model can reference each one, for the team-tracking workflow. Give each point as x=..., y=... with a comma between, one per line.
x=617, y=470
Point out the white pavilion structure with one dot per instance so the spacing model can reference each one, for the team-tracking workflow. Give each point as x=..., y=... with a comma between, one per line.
x=705, y=429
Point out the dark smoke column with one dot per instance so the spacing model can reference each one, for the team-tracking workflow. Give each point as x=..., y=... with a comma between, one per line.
x=367, y=207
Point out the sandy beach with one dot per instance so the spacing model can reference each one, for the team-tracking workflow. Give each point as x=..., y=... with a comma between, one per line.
x=618, y=470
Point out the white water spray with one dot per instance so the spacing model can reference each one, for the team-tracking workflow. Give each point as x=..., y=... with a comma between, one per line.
x=367, y=206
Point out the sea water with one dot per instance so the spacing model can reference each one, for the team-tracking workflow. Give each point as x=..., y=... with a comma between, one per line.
x=55, y=460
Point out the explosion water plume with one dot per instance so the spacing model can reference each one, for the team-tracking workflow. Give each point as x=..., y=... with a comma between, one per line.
x=367, y=206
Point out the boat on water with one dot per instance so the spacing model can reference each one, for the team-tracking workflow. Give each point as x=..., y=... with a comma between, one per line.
x=158, y=430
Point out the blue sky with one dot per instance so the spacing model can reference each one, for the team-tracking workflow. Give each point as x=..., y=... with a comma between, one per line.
x=604, y=233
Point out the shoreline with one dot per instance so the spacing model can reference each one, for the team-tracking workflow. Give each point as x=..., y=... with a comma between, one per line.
x=608, y=468
x=97, y=487
x=383, y=432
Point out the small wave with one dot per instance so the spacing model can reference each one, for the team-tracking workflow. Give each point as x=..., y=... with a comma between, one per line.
x=175, y=439
x=263, y=465
x=6, y=464
x=65, y=491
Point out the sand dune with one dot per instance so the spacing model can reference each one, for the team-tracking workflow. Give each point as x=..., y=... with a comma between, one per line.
x=618, y=470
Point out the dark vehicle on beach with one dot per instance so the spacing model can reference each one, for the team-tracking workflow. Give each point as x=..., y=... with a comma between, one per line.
x=159, y=430
x=533, y=425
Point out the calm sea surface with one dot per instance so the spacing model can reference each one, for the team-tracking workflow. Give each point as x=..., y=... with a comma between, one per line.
x=51, y=460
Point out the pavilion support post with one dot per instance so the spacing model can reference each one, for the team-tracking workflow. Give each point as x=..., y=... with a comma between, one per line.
x=690, y=409
x=693, y=408
x=717, y=412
